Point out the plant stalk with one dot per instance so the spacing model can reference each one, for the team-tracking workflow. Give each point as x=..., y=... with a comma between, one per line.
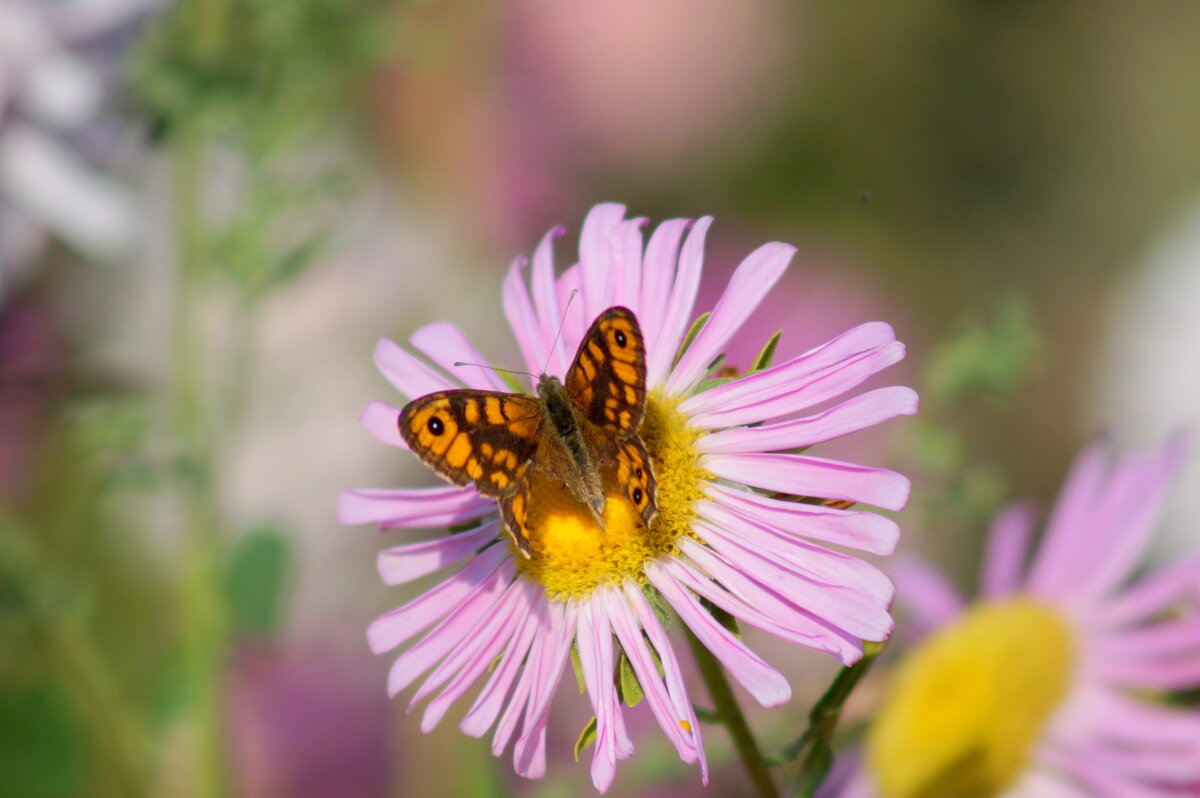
x=730, y=712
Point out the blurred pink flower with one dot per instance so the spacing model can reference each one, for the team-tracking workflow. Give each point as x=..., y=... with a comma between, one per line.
x=719, y=534
x=1047, y=684
x=306, y=724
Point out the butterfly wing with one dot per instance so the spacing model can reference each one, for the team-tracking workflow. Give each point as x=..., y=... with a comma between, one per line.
x=478, y=437
x=637, y=477
x=607, y=383
x=607, y=380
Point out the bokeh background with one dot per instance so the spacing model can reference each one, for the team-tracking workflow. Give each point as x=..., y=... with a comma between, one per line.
x=211, y=209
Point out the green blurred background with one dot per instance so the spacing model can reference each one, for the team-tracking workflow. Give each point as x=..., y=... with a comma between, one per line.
x=211, y=213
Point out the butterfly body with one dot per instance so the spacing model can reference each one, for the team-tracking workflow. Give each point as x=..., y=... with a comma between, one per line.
x=571, y=431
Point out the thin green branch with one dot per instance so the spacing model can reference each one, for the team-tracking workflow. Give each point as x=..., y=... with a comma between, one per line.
x=204, y=627
x=730, y=712
x=817, y=739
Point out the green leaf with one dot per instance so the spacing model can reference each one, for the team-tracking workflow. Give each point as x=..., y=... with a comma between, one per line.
x=586, y=737
x=722, y=617
x=631, y=689
x=254, y=580
x=465, y=526
x=577, y=666
x=765, y=357
x=658, y=604
x=697, y=326
x=41, y=751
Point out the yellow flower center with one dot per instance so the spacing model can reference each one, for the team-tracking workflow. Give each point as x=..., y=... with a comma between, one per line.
x=967, y=705
x=572, y=555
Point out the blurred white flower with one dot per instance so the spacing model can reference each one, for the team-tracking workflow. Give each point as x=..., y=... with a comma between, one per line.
x=1149, y=383
x=58, y=63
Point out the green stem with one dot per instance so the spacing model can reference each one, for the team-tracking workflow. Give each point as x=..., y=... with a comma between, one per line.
x=822, y=724
x=204, y=626
x=730, y=711
x=113, y=730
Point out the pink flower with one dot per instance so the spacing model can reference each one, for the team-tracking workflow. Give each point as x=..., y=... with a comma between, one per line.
x=1051, y=683
x=726, y=532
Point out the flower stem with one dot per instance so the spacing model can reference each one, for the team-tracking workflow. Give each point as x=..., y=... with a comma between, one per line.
x=822, y=723
x=730, y=712
x=204, y=627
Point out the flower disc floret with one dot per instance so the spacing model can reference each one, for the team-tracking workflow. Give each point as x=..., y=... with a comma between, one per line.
x=572, y=555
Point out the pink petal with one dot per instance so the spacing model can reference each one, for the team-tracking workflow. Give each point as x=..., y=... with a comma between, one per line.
x=393, y=628
x=750, y=601
x=381, y=419
x=629, y=633
x=514, y=633
x=508, y=720
x=810, y=560
x=574, y=323
x=519, y=704
x=672, y=675
x=1151, y=674
x=626, y=248
x=785, y=389
x=519, y=311
x=845, y=607
x=449, y=634
x=596, y=657
x=1132, y=527
x=1153, y=593
x=545, y=298
x=410, y=376
x=414, y=560
x=1007, y=545
x=595, y=257
x=1172, y=638
x=864, y=410
x=829, y=357
x=1067, y=525
x=662, y=348
x=925, y=594
x=855, y=529
x=548, y=662
x=658, y=273
x=490, y=701
x=766, y=684
x=445, y=344
x=414, y=507
x=801, y=475
x=748, y=286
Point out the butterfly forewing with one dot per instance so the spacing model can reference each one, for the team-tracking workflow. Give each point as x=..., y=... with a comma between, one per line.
x=607, y=380
x=474, y=436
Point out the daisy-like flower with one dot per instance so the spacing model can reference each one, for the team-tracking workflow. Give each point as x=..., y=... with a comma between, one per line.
x=729, y=533
x=1050, y=685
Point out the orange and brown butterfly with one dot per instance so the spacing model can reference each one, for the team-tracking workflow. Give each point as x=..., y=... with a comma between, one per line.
x=569, y=431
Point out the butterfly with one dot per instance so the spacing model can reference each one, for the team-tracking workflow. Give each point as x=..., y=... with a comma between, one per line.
x=569, y=431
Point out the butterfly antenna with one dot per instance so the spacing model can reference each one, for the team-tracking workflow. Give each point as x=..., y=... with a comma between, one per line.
x=494, y=368
x=561, y=323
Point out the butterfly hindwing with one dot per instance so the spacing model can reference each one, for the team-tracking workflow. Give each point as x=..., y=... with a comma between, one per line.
x=607, y=380
x=636, y=477
x=476, y=437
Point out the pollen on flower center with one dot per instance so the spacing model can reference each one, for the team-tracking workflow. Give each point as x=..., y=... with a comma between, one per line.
x=967, y=706
x=572, y=555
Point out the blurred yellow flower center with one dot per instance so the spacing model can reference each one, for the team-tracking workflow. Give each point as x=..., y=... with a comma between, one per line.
x=967, y=706
x=572, y=555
